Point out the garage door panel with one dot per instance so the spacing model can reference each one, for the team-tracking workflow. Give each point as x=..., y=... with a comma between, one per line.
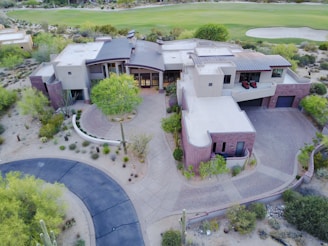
x=251, y=103
x=285, y=101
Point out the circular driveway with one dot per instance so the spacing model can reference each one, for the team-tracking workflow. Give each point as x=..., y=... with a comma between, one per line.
x=112, y=212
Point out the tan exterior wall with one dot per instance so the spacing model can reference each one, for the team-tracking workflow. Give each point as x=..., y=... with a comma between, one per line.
x=208, y=85
x=73, y=77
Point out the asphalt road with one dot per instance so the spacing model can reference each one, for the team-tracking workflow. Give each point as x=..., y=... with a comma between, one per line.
x=114, y=217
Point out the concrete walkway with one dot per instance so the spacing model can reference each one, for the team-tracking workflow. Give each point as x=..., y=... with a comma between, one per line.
x=163, y=191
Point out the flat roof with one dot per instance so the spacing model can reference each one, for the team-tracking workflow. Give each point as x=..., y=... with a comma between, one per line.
x=212, y=115
x=209, y=69
x=46, y=69
x=213, y=51
x=12, y=36
x=76, y=54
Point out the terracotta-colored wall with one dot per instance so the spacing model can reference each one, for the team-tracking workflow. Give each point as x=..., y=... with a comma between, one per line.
x=297, y=90
x=55, y=91
x=193, y=155
x=231, y=140
x=37, y=83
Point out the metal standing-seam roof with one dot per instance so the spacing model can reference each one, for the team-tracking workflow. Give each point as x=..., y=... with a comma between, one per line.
x=115, y=49
x=147, y=55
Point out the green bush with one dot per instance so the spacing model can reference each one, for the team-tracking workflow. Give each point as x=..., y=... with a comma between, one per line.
x=85, y=143
x=172, y=124
x=178, y=154
x=236, y=170
x=309, y=213
x=171, y=89
x=274, y=224
x=94, y=156
x=171, y=238
x=2, y=129
x=320, y=161
x=289, y=196
x=72, y=146
x=259, y=209
x=6, y=4
x=62, y=147
x=48, y=130
x=125, y=159
x=322, y=173
x=318, y=88
x=242, y=220
x=323, y=46
x=106, y=150
x=214, y=166
x=324, y=65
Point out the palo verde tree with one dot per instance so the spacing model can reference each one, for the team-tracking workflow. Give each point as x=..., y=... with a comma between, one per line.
x=24, y=201
x=116, y=95
x=215, y=32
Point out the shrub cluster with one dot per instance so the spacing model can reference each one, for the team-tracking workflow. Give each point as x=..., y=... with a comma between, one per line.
x=307, y=213
x=178, y=154
x=320, y=161
x=236, y=170
x=171, y=238
x=51, y=126
x=318, y=88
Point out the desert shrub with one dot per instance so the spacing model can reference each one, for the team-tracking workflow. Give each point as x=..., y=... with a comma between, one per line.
x=2, y=140
x=72, y=146
x=205, y=226
x=2, y=129
x=304, y=156
x=48, y=130
x=241, y=219
x=172, y=124
x=62, y=147
x=308, y=213
x=43, y=139
x=235, y=170
x=125, y=159
x=259, y=209
x=320, y=161
x=304, y=60
x=324, y=65
x=214, y=166
x=289, y=196
x=106, y=150
x=322, y=173
x=214, y=225
x=189, y=172
x=180, y=166
x=178, y=154
x=139, y=145
x=171, y=238
x=85, y=143
x=95, y=156
x=318, y=88
x=274, y=224
x=309, y=46
x=169, y=110
x=323, y=46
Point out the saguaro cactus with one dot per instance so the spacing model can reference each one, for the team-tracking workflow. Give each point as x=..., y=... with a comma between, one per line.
x=183, y=227
x=46, y=240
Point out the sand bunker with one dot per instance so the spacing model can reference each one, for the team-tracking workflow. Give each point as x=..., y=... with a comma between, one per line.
x=288, y=32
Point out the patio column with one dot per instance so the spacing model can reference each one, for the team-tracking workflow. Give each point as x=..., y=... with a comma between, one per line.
x=161, y=88
x=106, y=70
x=127, y=70
x=116, y=68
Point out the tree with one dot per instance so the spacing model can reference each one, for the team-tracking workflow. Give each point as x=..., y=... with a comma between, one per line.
x=215, y=32
x=7, y=98
x=288, y=51
x=316, y=106
x=34, y=103
x=116, y=95
x=24, y=200
x=308, y=213
x=242, y=220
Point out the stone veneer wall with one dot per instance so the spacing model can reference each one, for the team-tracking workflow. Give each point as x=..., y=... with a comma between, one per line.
x=231, y=140
x=193, y=155
x=297, y=90
x=55, y=91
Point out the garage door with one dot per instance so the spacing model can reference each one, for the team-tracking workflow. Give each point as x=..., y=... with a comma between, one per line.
x=285, y=101
x=251, y=103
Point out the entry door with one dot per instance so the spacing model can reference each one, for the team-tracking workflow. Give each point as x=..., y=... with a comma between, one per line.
x=240, y=148
x=145, y=80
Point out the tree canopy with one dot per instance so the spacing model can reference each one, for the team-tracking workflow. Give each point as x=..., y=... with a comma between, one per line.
x=116, y=95
x=24, y=201
x=316, y=106
x=7, y=98
x=215, y=32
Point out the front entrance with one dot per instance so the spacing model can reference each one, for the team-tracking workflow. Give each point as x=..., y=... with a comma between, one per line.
x=240, y=149
x=145, y=80
x=285, y=101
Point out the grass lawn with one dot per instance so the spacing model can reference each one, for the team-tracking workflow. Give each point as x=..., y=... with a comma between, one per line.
x=237, y=17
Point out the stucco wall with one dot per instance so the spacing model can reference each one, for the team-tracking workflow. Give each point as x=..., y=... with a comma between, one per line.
x=231, y=140
x=72, y=77
x=297, y=90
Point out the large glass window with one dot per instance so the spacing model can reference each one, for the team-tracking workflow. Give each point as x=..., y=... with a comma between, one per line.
x=155, y=79
x=250, y=77
x=227, y=79
x=277, y=72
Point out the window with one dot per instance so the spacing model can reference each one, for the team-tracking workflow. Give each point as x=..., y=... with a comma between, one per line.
x=227, y=79
x=277, y=72
x=223, y=146
x=210, y=84
x=69, y=73
x=250, y=77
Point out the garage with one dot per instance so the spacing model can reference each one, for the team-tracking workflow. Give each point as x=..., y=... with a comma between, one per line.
x=285, y=101
x=251, y=103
